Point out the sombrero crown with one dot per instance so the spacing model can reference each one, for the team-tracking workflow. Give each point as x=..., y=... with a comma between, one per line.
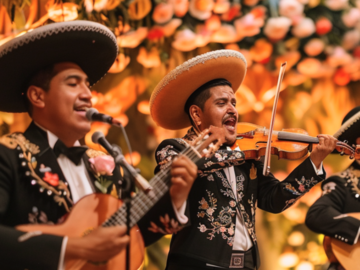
x=90, y=45
x=168, y=99
x=350, y=127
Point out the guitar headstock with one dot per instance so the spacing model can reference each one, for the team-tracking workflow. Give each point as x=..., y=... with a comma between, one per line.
x=209, y=141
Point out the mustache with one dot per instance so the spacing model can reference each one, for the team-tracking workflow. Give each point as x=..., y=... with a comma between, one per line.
x=229, y=116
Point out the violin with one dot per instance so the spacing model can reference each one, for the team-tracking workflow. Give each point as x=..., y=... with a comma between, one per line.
x=291, y=144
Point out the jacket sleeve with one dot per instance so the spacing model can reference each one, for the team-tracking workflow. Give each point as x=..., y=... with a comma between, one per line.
x=39, y=252
x=275, y=196
x=326, y=215
x=161, y=218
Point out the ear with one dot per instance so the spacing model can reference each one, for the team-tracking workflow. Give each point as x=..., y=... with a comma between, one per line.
x=195, y=114
x=36, y=96
x=358, y=141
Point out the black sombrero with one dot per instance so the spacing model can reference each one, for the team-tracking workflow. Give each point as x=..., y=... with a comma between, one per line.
x=90, y=45
x=350, y=127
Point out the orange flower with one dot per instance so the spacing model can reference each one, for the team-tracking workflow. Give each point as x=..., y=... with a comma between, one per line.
x=61, y=12
x=261, y=51
x=323, y=26
x=51, y=178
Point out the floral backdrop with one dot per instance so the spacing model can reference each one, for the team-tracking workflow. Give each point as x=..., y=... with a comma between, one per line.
x=319, y=40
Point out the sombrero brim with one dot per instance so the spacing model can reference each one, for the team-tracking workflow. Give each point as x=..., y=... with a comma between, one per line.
x=168, y=99
x=90, y=45
x=349, y=131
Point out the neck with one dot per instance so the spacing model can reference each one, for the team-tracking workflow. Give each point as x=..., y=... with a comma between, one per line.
x=66, y=139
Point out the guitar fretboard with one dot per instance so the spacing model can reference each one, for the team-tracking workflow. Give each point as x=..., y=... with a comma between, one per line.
x=142, y=202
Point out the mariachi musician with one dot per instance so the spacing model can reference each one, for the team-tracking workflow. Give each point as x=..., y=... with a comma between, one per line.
x=201, y=93
x=341, y=195
x=47, y=72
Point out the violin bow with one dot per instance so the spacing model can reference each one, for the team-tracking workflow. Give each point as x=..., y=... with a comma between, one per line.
x=266, y=169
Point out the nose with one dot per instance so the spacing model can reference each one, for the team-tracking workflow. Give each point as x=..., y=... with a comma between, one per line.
x=232, y=110
x=85, y=94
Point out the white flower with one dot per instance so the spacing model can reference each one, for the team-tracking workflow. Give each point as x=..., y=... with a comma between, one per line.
x=351, y=39
x=304, y=28
x=351, y=18
x=276, y=28
x=290, y=8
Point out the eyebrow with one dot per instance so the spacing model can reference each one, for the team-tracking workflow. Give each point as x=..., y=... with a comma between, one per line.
x=225, y=99
x=77, y=77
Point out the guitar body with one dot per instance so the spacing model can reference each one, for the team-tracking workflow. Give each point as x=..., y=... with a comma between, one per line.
x=88, y=214
x=347, y=255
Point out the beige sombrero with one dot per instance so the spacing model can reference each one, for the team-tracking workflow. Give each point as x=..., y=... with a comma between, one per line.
x=168, y=99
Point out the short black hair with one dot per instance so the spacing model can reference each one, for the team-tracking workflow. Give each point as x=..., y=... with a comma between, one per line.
x=41, y=79
x=202, y=94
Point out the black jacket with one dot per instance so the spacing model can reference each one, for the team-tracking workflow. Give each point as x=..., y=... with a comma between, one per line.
x=33, y=189
x=341, y=196
x=213, y=206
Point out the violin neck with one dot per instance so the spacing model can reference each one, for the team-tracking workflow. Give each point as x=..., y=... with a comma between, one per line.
x=296, y=137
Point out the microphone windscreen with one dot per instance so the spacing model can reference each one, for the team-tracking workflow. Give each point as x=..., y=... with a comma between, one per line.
x=96, y=136
x=90, y=112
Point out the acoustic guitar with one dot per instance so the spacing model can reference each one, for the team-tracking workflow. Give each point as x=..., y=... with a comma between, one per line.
x=104, y=210
x=347, y=255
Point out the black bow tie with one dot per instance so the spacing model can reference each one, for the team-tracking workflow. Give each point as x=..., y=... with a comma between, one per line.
x=74, y=153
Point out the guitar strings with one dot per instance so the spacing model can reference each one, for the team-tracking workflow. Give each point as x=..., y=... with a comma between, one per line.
x=142, y=202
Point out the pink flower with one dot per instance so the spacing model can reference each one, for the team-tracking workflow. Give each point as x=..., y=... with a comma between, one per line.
x=202, y=228
x=213, y=23
x=201, y=9
x=184, y=41
x=276, y=28
x=351, y=39
x=351, y=18
x=51, y=178
x=102, y=165
x=132, y=38
x=301, y=188
x=290, y=8
x=163, y=13
x=314, y=47
x=225, y=34
x=336, y=4
x=231, y=231
x=222, y=229
x=338, y=57
x=304, y=28
x=210, y=211
x=232, y=203
x=180, y=7
x=250, y=24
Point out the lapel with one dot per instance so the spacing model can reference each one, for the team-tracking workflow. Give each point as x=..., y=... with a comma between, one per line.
x=46, y=162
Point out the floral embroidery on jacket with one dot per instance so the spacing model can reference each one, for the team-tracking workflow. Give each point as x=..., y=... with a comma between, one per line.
x=50, y=184
x=222, y=224
x=250, y=224
x=352, y=176
x=37, y=217
x=169, y=226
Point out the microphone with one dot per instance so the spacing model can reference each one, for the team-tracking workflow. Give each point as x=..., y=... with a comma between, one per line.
x=99, y=138
x=93, y=114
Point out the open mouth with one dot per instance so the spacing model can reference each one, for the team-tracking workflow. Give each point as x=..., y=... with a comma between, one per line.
x=230, y=124
x=81, y=110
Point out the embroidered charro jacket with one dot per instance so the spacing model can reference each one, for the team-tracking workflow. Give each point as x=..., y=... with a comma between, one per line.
x=341, y=195
x=213, y=205
x=33, y=188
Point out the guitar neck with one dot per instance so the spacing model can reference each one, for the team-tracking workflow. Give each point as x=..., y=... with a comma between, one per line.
x=142, y=202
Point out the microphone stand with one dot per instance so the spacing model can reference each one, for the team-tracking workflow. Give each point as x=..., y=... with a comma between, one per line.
x=127, y=187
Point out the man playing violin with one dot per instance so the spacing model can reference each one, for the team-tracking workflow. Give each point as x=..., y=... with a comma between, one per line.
x=341, y=195
x=47, y=72
x=222, y=201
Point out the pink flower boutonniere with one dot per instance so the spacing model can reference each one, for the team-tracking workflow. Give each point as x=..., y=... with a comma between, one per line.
x=102, y=165
x=51, y=178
